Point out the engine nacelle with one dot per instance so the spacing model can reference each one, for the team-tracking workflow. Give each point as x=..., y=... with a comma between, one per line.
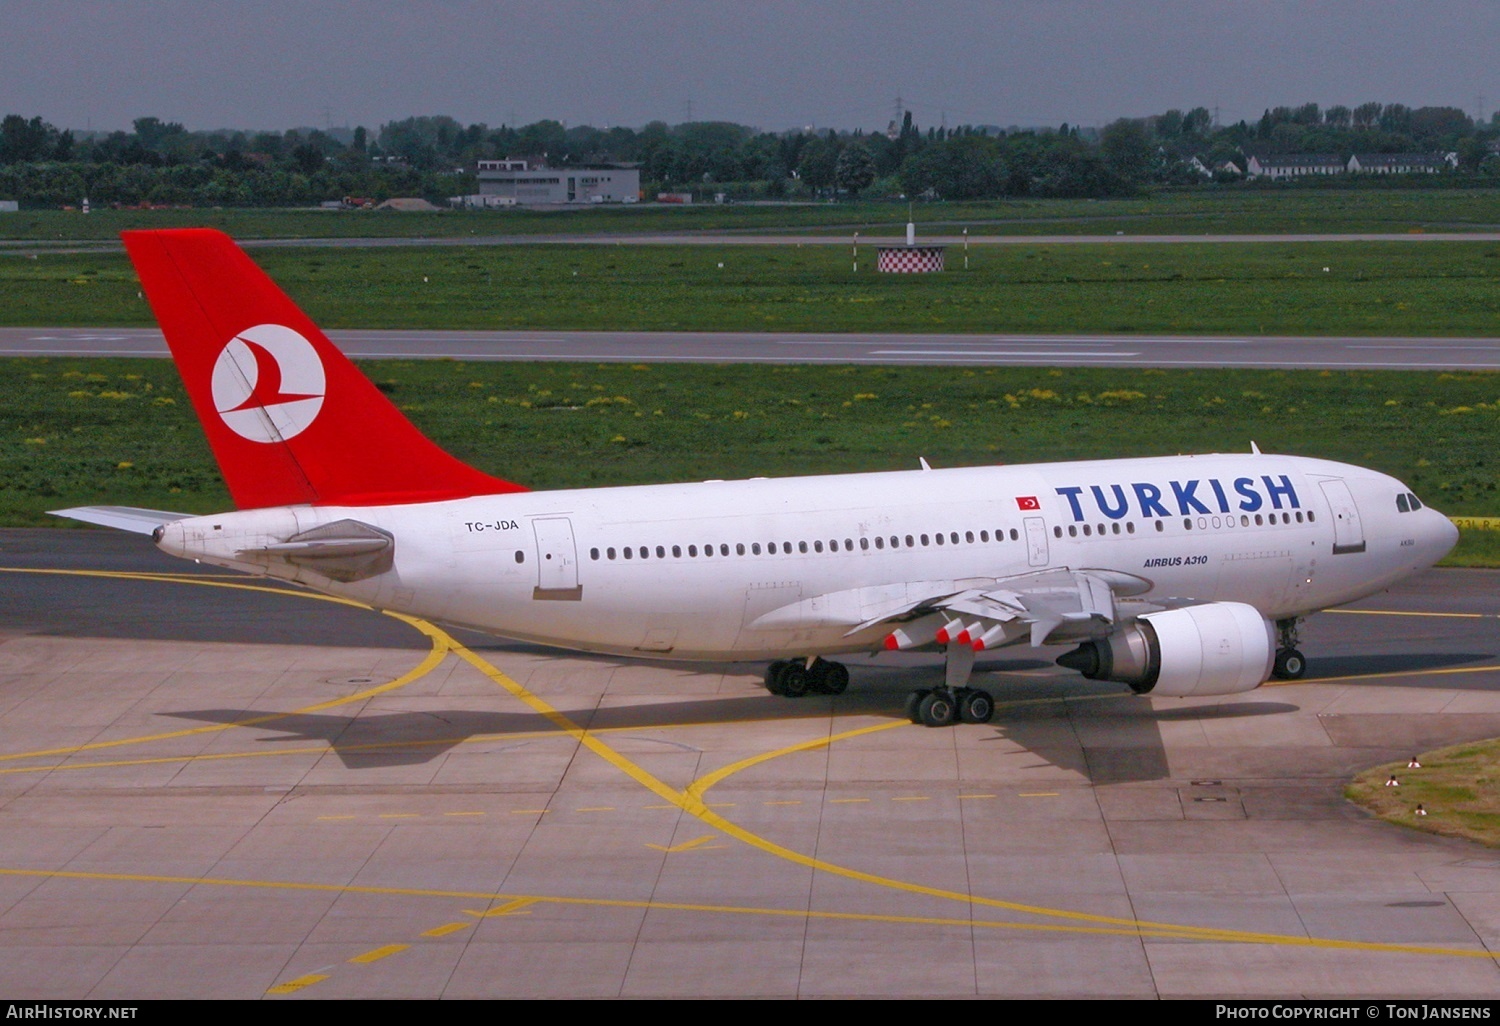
x=1220, y=648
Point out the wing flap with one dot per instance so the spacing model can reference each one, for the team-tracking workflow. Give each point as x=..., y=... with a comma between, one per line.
x=1045, y=607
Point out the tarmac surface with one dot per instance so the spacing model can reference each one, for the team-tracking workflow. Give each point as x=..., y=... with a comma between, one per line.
x=933, y=235
x=1286, y=352
x=210, y=789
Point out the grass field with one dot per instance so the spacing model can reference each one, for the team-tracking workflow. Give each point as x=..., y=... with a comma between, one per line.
x=121, y=431
x=1287, y=289
x=1234, y=211
x=1456, y=788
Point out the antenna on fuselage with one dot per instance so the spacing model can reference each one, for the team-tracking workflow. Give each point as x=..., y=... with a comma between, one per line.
x=1254, y=448
x=923, y=460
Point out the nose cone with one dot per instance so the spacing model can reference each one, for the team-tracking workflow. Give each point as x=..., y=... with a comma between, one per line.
x=1439, y=535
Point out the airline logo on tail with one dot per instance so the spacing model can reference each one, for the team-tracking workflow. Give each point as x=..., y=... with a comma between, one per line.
x=268, y=383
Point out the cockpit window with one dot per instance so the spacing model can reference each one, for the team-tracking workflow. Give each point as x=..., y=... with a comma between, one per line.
x=1402, y=506
x=1416, y=503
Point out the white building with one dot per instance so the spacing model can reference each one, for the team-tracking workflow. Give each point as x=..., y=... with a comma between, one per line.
x=1295, y=165
x=1403, y=163
x=507, y=182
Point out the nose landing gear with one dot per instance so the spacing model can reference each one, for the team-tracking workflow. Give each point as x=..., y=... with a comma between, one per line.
x=1290, y=664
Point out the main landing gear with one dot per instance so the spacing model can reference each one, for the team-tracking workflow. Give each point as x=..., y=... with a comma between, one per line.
x=1290, y=664
x=945, y=706
x=794, y=678
x=955, y=701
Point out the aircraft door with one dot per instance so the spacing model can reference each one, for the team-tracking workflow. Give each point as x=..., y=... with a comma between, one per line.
x=557, y=560
x=1348, y=533
x=1036, y=541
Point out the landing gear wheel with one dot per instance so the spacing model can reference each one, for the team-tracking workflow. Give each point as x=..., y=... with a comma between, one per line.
x=834, y=678
x=773, y=677
x=938, y=709
x=794, y=680
x=1290, y=665
x=975, y=706
x=914, y=704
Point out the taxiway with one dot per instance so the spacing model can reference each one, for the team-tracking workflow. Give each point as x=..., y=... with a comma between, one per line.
x=213, y=787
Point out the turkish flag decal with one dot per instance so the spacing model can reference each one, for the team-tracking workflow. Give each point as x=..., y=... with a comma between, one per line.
x=1027, y=502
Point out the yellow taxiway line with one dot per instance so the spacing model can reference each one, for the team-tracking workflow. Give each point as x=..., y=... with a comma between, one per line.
x=691, y=801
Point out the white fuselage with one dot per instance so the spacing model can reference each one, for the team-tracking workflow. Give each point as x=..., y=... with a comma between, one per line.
x=691, y=571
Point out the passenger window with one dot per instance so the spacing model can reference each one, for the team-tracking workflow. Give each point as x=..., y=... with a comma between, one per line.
x=940, y=539
x=594, y=554
x=693, y=551
x=723, y=548
x=1160, y=526
x=909, y=542
x=755, y=548
x=739, y=549
x=661, y=552
x=520, y=556
x=609, y=553
x=817, y=546
x=1057, y=532
x=1013, y=534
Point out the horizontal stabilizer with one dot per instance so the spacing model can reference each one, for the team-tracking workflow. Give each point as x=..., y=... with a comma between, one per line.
x=123, y=518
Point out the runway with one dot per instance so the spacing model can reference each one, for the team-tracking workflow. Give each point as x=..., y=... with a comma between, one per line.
x=1311, y=352
x=834, y=236
x=212, y=790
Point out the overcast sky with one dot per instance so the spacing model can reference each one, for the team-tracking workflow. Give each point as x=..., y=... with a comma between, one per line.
x=774, y=64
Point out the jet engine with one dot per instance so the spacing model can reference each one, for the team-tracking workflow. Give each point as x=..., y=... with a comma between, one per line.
x=1219, y=648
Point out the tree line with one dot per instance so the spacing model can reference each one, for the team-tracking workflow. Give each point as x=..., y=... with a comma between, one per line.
x=161, y=162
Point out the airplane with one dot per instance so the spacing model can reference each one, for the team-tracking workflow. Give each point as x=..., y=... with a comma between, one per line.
x=1178, y=576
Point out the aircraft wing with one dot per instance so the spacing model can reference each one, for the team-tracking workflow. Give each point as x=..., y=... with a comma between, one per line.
x=1046, y=607
x=124, y=518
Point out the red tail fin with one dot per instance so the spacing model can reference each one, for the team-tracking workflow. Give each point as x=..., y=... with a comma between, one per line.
x=289, y=418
